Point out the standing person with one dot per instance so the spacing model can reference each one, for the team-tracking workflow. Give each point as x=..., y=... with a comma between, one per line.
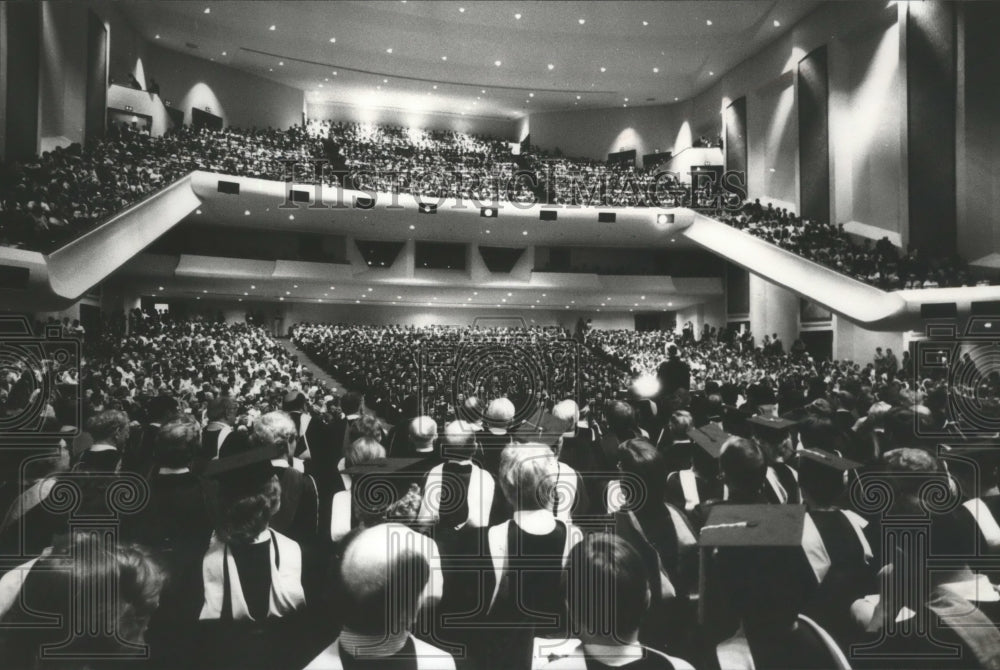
x=673, y=373
x=298, y=516
x=109, y=431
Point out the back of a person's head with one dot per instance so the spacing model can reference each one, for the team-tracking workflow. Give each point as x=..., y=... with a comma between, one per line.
x=680, y=423
x=743, y=465
x=527, y=476
x=500, y=413
x=621, y=417
x=459, y=440
x=77, y=573
x=567, y=411
x=606, y=582
x=368, y=426
x=909, y=471
x=645, y=474
x=275, y=430
x=363, y=450
x=177, y=442
x=423, y=432
x=107, y=426
x=386, y=578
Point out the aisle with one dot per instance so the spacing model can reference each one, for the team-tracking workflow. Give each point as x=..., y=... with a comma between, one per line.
x=317, y=371
x=322, y=375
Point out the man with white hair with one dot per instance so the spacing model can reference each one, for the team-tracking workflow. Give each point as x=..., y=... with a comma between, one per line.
x=581, y=451
x=466, y=489
x=495, y=435
x=298, y=516
x=389, y=573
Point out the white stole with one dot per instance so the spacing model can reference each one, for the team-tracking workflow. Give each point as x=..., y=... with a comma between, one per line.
x=286, y=581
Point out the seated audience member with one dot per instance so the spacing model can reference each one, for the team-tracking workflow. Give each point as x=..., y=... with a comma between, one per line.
x=344, y=511
x=917, y=610
x=688, y=488
x=763, y=563
x=383, y=593
x=309, y=430
x=221, y=416
x=743, y=470
x=466, y=489
x=527, y=553
x=772, y=435
x=109, y=431
x=675, y=444
x=607, y=583
x=298, y=515
x=823, y=480
x=70, y=582
x=495, y=436
x=569, y=493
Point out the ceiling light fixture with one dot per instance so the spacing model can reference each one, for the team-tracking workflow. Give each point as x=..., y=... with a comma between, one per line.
x=645, y=23
x=497, y=63
x=281, y=62
x=389, y=50
x=711, y=74
x=551, y=66
x=157, y=36
x=581, y=21
x=461, y=10
x=531, y=95
x=604, y=69
x=777, y=23
x=208, y=10
x=656, y=70
x=273, y=28
x=333, y=40
x=444, y=58
x=708, y=22
x=517, y=16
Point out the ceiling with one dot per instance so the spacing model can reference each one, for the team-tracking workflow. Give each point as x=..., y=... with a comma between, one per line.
x=394, y=53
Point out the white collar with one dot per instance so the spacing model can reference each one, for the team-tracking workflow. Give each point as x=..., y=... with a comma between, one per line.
x=360, y=645
x=536, y=521
x=173, y=471
x=102, y=446
x=614, y=654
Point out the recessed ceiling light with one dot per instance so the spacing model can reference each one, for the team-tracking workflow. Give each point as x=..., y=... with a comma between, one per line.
x=551, y=66
x=435, y=87
x=517, y=16
x=626, y=99
x=157, y=36
x=389, y=50
x=291, y=217
x=378, y=88
x=334, y=73
x=581, y=21
x=708, y=22
x=197, y=211
x=333, y=40
x=503, y=299
x=273, y=28
x=497, y=63
x=487, y=231
x=246, y=212
x=531, y=95
x=295, y=285
x=288, y=292
x=357, y=302
x=412, y=227
x=676, y=98
x=483, y=91
x=281, y=62
x=577, y=97
x=524, y=232
x=160, y=289
x=208, y=10
x=444, y=58
x=670, y=304
x=656, y=70
x=385, y=81
x=711, y=74
x=645, y=23
x=777, y=23
x=604, y=69
x=462, y=10
x=252, y=287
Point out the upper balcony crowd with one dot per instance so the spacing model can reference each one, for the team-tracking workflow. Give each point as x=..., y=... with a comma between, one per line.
x=52, y=199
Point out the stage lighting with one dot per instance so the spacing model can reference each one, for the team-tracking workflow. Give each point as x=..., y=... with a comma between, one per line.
x=664, y=219
x=488, y=212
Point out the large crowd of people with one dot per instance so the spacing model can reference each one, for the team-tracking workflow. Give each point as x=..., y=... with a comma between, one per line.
x=48, y=201
x=748, y=512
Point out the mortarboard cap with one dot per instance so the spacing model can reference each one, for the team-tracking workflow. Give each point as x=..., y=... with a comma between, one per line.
x=826, y=459
x=768, y=557
x=710, y=438
x=547, y=430
x=244, y=472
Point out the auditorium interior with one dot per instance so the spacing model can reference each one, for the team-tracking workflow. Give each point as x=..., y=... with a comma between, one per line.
x=500, y=334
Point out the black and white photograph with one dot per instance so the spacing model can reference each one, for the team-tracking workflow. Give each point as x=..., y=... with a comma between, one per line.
x=500, y=335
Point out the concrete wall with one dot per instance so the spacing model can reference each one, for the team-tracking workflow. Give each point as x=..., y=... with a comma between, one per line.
x=241, y=99
x=62, y=74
